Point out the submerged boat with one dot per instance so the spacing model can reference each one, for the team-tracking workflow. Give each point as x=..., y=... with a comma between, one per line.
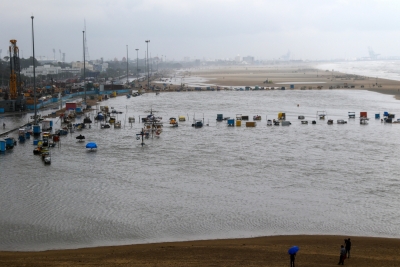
x=197, y=123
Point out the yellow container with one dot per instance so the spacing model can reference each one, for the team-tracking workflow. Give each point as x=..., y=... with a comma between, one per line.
x=238, y=123
x=114, y=94
x=250, y=124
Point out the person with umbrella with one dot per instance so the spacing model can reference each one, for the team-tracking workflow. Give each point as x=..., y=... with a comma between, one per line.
x=292, y=252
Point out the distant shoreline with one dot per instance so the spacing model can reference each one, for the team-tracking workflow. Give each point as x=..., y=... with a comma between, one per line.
x=307, y=77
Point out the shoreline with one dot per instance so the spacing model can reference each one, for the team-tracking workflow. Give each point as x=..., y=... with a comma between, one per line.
x=315, y=250
x=304, y=76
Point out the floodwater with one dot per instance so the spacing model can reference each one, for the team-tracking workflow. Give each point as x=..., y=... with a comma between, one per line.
x=212, y=182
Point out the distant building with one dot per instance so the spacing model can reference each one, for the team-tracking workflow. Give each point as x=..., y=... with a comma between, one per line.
x=186, y=59
x=238, y=58
x=79, y=64
x=248, y=59
x=48, y=70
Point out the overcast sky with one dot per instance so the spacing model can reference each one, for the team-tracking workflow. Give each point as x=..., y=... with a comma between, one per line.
x=265, y=29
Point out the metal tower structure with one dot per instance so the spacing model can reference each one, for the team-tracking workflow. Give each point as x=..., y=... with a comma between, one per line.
x=86, y=46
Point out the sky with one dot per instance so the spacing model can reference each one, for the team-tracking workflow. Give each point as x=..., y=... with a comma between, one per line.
x=202, y=29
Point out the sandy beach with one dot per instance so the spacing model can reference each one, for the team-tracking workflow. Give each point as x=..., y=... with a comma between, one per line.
x=315, y=250
x=305, y=76
x=261, y=251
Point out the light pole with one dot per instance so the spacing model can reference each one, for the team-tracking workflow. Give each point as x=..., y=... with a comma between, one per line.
x=148, y=73
x=84, y=67
x=34, y=73
x=127, y=81
x=137, y=64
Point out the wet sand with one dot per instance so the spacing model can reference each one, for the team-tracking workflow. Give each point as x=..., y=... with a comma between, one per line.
x=261, y=251
x=304, y=76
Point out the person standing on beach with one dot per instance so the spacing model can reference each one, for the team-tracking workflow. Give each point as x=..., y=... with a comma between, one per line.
x=348, y=247
x=342, y=255
x=292, y=257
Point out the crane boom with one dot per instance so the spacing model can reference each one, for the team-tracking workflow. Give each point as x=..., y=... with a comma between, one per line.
x=15, y=77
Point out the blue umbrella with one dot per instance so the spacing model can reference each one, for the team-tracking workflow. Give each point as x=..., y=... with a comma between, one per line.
x=91, y=145
x=293, y=250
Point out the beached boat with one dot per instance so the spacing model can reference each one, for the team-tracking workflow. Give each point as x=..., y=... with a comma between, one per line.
x=256, y=117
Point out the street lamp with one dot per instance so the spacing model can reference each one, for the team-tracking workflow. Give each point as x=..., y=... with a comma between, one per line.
x=137, y=64
x=34, y=74
x=84, y=66
x=148, y=73
x=127, y=73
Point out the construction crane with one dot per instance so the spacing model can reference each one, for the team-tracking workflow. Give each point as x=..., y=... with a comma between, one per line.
x=15, y=76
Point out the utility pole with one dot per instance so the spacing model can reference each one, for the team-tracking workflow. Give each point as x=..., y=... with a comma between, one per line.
x=148, y=73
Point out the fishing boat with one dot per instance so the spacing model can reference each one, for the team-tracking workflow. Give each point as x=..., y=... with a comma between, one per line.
x=22, y=135
x=80, y=138
x=197, y=123
x=117, y=125
x=182, y=118
x=173, y=122
x=352, y=114
x=269, y=123
x=364, y=120
x=321, y=115
x=87, y=120
x=10, y=142
x=105, y=126
x=111, y=120
x=100, y=116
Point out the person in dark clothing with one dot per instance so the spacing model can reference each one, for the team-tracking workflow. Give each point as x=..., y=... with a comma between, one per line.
x=348, y=247
x=342, y=255
x=292, y=257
